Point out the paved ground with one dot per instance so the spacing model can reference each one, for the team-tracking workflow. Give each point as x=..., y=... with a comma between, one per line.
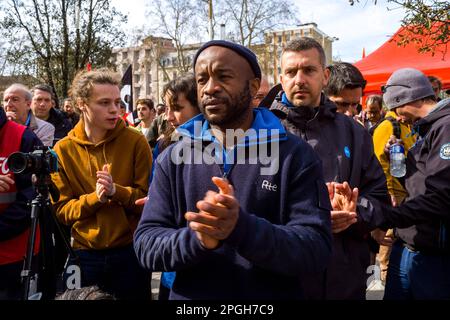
x=375, y=291
x=156, y=277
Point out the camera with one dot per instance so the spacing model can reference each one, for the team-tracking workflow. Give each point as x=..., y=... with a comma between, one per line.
x=43, y=160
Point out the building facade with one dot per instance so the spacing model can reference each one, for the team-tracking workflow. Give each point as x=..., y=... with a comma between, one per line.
x=158, y=61
x=270, y=51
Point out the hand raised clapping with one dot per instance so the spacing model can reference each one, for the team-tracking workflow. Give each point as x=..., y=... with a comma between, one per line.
x=218, y=215
x=105, y=185
x=344, y=201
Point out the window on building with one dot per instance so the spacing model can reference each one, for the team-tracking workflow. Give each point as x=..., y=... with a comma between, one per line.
x=279, y=39
x=174, y=61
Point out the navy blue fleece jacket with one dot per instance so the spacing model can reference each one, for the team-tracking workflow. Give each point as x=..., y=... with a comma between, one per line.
x=281, y=233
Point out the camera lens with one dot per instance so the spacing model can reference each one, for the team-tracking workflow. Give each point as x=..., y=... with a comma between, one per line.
x=18, y=162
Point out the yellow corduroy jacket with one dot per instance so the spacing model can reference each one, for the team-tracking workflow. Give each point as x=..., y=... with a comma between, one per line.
x=97, y=225
x=380, y=138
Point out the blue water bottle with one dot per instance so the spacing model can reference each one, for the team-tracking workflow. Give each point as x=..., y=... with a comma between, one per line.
x=397, y=160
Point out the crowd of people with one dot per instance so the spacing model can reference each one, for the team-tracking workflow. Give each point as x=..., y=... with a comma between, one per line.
x=232, y=189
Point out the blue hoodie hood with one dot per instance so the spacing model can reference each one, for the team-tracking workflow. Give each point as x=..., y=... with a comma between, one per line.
x=266, y=128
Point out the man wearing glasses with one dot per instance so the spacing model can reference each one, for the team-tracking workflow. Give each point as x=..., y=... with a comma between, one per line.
x=345, y=88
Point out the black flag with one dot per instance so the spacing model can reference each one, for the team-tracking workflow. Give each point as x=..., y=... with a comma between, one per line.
x=127, y=94
x=127, y=88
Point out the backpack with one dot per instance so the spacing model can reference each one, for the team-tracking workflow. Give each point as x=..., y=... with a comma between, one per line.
x=395, y=126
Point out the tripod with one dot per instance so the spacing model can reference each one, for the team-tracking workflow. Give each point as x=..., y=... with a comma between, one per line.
x=42, y=215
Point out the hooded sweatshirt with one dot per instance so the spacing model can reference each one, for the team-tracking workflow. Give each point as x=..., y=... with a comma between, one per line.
x=283, y=229
x=97, y=225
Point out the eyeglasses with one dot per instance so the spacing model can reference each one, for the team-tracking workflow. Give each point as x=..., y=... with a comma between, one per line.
x=384, y=88
x=346, y=105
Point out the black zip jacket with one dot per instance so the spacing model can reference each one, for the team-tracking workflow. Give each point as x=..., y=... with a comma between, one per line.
x=346, y=151
x=61, y=123
x=425, y=216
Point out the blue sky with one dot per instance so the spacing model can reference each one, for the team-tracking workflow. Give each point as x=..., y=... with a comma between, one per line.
x=363, y=25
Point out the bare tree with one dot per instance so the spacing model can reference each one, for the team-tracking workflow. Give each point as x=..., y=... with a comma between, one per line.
x=176, y=20
x=185, y=21
x=56, y=38
x=249, y=19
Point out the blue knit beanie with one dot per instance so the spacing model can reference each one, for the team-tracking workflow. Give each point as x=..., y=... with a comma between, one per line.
x=244, y=52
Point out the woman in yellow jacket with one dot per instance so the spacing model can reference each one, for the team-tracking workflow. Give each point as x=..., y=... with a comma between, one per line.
x=103, y=168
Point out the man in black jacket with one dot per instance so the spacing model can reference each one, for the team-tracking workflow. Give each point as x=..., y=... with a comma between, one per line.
x=346, y=151
x=15, y=193
x=43, y=107
x=420, y=259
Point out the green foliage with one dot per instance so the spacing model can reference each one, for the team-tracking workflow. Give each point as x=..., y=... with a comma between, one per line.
x=50, y=40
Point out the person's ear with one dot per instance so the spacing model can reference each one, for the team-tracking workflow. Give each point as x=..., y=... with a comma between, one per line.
x=326, y=76
x=254, y=86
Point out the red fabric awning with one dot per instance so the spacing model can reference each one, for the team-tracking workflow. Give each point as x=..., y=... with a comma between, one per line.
x=380, y=64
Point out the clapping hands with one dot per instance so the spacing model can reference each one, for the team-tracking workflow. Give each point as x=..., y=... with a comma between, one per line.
x=344, y=201
x=105, y=185
x=218, y=215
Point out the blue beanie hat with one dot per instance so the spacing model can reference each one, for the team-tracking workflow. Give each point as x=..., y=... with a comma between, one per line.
x=244, y=52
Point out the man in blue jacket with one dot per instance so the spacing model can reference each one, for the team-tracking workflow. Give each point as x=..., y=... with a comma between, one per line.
x=230, y=220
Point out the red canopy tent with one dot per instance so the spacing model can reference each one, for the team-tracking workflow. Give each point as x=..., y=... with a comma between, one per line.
x=380, y=64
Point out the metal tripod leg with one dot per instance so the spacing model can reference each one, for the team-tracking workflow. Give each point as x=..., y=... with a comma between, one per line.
x=27, y=273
